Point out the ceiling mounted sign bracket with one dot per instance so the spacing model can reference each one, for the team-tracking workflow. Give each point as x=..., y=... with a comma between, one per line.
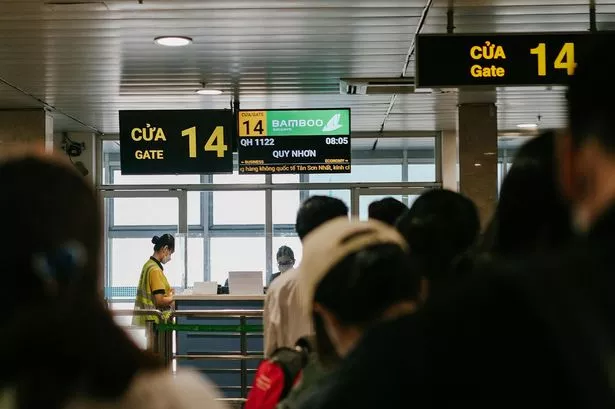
x=592, y=16
x=450, y=17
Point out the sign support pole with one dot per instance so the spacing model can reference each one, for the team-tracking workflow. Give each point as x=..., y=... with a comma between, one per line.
x=450, y=17
x=592, y=16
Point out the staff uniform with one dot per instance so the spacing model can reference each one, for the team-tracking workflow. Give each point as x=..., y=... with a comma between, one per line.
x=151, y=282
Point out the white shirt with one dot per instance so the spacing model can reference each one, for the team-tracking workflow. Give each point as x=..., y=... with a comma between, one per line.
x=285, y=321
x=155, y=390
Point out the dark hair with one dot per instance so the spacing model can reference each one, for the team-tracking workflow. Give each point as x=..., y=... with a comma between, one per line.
x=55, y=210
x=166, y=240
x=590, y=114
x=317, y=210
x=531, y=214
x=387, y=210
x=440, y=226
x=285, y=251
x=361, y=287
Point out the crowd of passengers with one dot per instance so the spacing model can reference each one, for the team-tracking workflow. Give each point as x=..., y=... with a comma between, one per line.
x=414, y=307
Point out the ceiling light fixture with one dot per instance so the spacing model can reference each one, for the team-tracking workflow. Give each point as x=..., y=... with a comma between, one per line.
x=208, y=91
x=173, y=41
x=527, y=126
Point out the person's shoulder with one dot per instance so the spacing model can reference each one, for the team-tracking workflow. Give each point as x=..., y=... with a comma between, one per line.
x=185, y=390
x=283, y=280
x=193, y=391
x=151, y=265
x=160, y=390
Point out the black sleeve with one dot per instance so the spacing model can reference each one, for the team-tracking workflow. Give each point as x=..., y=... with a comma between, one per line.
x=158, y=292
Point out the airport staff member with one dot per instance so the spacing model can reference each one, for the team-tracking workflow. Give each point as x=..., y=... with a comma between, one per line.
x=286, y=260
x=154, y=291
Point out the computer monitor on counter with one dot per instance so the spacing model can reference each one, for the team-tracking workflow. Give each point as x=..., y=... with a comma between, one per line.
x=245, y=282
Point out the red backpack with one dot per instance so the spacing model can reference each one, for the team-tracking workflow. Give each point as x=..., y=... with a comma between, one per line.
x=276, y=376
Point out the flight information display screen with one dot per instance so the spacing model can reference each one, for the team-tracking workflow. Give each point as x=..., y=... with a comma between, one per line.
x=294, y=141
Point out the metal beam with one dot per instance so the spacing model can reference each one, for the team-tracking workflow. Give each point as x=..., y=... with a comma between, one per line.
x=156, y=190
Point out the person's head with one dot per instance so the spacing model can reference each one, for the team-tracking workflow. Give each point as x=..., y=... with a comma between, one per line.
x=531, y=214
x=586, y=153
x=439, y=227
x=164, y=247
x=56, y=222
x=285, y=258
x=317, y=210
x=387, y=210
x=53, y=278
x=354, y=274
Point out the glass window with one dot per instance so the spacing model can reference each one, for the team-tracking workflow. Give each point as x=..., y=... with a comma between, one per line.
x=422, y=172
x=236, y=254
x=238, y=208
x=362, y=173
x=194, y=198
x=196, y=259
x=285, y=178
x=128, y=255
x=236, y=178
x=194, y=208
x=119, y=179
x=145, y=211
x=285, y=204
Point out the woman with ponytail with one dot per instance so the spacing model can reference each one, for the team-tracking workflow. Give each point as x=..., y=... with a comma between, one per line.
x=59, y=345
x=154, y=291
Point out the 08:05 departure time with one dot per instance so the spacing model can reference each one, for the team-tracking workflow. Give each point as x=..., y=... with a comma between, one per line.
x=342, y=140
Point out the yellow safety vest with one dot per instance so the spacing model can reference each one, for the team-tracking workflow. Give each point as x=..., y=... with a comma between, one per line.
x=145, y=298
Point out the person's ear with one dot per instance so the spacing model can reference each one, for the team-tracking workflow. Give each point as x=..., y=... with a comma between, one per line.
x=330, y=321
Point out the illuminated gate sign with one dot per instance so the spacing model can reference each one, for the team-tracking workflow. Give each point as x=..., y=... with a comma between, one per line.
x=459, y=60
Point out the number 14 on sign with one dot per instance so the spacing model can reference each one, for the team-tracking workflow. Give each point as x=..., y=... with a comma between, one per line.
x=564, y=60
x=215, y=143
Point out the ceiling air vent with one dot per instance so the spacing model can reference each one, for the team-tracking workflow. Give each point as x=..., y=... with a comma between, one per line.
x=83, y=5
x=372, y=86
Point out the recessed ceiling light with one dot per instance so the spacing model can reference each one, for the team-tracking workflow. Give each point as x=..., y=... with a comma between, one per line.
x=173, y=41
x=208, y=91
x=527, y=126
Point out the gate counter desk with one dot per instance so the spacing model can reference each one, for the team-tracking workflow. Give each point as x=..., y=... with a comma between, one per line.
x=228, y=349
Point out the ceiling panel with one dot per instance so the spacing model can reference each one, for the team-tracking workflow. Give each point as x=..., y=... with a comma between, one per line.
x=92, y=60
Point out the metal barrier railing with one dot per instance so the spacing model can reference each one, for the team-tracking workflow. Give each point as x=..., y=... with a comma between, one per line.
x=160, y=337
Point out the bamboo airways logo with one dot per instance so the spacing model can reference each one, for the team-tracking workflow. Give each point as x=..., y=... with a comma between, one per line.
x=333, y=124
x=309, y=122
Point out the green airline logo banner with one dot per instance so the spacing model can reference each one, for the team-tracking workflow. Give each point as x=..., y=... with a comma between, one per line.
x=307, y=122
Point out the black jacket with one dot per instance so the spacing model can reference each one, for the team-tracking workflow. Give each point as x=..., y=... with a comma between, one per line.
x=528, y=333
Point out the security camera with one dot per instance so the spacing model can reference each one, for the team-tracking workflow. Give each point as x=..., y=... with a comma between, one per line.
x=74, y=149
x=81, y=168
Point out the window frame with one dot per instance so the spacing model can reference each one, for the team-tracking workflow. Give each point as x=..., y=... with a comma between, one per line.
x=207, y=229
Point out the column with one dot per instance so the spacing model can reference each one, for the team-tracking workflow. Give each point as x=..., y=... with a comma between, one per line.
x=478, y=147
x=449, y=160
x=27, y=126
